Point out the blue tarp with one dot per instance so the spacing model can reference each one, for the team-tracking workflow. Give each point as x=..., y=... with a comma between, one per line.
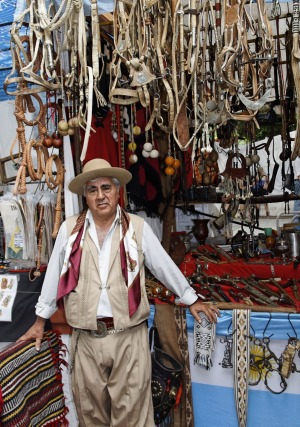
x=7, y=10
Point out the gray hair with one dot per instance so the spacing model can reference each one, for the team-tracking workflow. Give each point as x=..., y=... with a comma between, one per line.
x=114, y=180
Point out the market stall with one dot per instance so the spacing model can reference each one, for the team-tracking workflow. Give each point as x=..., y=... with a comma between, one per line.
x=198, y=100
x=268, y=288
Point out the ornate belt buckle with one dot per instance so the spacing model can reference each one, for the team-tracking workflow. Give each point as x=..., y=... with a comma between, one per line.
x=101, y=331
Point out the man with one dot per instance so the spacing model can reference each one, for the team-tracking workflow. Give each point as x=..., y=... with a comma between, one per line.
x=101, y=256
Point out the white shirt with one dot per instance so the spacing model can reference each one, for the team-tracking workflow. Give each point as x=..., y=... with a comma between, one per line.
x=296, y=167
x=156, y=259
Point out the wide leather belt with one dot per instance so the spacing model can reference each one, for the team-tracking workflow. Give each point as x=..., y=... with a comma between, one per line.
x=105, y=326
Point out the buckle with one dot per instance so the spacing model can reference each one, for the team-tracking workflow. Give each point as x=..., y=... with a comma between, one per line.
x=101, y=330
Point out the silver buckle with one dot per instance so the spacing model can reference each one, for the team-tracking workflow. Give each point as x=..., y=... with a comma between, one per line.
x=101, y=331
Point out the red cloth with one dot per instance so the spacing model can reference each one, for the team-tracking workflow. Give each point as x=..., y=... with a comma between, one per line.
x=239, y=268
x=68, y=280
x=134, y=288
x=262, y=269
x=101, y=144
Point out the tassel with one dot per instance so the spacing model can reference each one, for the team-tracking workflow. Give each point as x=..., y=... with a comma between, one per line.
x=178, y=397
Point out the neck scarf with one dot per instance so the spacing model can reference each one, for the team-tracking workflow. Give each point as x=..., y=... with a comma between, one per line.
x=129, y=260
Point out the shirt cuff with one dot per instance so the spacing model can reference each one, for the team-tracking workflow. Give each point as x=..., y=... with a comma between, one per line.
x=44, y=311
x=188, y=298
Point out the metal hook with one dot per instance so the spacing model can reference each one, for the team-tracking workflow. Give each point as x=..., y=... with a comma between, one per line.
x=292, y=326
x=268, y=322
x=229, y=326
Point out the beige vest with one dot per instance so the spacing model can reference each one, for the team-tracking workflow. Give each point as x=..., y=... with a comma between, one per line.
x=81, y=304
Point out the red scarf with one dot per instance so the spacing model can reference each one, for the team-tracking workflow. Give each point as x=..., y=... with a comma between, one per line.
x=69, y=276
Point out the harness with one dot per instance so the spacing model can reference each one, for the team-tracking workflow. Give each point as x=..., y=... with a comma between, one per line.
x=190, y=67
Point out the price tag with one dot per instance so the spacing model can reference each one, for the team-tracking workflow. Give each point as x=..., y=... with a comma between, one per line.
x=18, y=240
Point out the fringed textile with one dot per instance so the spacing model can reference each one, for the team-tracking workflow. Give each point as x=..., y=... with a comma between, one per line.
x=31, y=390
x=204, y=341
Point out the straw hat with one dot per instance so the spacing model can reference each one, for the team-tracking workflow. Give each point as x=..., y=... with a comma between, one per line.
x=98, y=168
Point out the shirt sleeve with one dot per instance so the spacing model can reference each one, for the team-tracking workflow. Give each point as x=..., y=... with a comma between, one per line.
x=164, y=269
x=46, y=305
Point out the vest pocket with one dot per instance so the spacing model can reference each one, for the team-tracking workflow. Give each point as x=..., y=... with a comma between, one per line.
x=71, y=308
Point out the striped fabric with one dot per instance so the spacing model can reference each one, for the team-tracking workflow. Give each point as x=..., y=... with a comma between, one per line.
x=31, y=392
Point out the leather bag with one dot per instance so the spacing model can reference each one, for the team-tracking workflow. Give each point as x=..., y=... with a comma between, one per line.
x=166, y=381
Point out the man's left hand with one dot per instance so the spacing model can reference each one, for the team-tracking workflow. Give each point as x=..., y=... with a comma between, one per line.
x=211, y=311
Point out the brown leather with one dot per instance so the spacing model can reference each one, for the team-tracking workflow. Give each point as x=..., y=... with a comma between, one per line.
x=183, y=127
x=235, y=172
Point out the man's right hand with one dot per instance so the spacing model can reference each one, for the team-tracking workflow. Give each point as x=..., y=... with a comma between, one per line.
x=35, y=332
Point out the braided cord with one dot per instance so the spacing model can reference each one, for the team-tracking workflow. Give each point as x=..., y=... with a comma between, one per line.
x=53, y=183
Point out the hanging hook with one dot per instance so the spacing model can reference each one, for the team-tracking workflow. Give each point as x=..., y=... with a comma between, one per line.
x=292, y=326
x=228, y=329
x=251, y=327
x=268, y=322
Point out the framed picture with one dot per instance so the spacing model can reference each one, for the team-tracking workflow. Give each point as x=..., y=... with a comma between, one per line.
x=9, y=168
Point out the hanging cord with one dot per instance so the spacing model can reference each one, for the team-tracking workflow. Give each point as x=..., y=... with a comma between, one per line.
x=20, y=109
x=39, y=234
x=42, y=157
x=54, y=183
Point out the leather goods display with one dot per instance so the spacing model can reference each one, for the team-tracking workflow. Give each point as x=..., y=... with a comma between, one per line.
x=166, y=379
x=289, y=181
x=237, y=168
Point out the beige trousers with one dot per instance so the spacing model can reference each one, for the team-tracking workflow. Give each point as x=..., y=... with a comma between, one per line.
x=111, y=379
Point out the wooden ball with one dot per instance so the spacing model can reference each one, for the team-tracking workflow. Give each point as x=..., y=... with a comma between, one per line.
x=63, y=126
x=133, y=158
x=57, y=142
x=47, y=142
x=169, y=170
x=136, y=130
x=169, y=160
x=176, y=164
x=132, y=146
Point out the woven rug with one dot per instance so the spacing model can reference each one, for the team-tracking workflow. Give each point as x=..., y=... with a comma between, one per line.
x=31, y=391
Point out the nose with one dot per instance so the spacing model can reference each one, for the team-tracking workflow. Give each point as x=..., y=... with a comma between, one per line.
x=100, y=193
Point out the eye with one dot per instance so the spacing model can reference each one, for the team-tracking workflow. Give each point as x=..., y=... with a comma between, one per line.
x=106, y=188
x=91, y=190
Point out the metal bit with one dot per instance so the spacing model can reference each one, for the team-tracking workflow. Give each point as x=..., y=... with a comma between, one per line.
x=296, y=290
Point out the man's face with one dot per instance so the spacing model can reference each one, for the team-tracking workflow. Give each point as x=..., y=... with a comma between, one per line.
x=102, y=197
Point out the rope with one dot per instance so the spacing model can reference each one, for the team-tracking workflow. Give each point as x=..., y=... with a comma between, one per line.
x=39, y=233
x=42, y=154
x=54, y=183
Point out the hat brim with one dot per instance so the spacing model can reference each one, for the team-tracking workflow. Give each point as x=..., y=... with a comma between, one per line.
x=77, y=184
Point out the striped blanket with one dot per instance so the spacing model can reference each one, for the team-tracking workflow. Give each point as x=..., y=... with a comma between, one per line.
x=31, y=392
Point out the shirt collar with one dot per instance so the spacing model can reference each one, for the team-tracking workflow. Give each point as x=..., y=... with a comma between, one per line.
x=89, y=217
